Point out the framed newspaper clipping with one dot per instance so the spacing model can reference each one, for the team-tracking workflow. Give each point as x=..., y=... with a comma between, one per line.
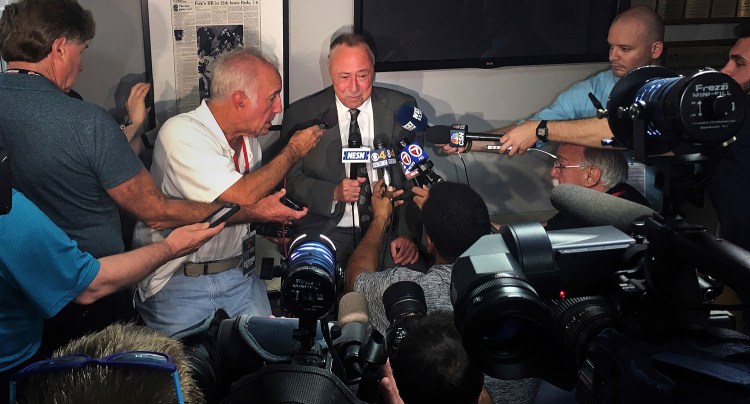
x=183, y=37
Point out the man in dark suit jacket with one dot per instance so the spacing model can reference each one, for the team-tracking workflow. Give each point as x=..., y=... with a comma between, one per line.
x=320, y=180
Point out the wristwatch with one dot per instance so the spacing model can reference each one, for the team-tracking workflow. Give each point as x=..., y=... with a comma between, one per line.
x=541, y=131
x=127, y=122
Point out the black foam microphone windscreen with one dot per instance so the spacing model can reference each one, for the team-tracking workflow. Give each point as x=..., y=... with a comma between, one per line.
x=588, y=207
x=329, y=119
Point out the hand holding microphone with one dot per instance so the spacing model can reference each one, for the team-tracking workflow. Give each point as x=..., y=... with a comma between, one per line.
x=347, y=190
x=356, y=156
x=420, y=195
x=416, y=165
x=306, y=139
x=453, y=139
x=381, y=201
x=382, y=159
x=457, y=138
x=520, y=138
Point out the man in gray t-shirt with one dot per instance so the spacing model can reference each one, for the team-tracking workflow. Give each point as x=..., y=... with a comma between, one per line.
x=455, y=217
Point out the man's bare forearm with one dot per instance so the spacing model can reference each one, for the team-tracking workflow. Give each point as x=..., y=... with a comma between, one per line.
x=262, y=181
x=121, y=270
x=587, y=132
x=141, y=198
x=364, y=258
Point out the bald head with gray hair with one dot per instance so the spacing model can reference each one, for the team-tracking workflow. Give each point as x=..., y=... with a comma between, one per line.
x=237, y=70
x=611, y=163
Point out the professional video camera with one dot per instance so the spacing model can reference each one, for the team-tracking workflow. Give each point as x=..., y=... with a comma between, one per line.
x=404, y=302
x=256, y=359
x=624, y=315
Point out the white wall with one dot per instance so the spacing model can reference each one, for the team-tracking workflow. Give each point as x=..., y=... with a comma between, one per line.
x=114, y=60
x=483, y=99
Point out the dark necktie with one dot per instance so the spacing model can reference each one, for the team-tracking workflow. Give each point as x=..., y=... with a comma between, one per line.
x=364, y=206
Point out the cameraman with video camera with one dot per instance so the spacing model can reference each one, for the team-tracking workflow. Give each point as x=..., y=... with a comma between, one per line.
x=455, y=217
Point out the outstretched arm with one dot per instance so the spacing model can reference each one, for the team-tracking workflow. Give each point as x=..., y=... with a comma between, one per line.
x=121, y=270
x=364, y=258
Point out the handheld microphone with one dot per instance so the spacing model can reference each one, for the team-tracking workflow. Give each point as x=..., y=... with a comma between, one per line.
x=416, y=165
x=356, y=155
x=441, y=134
x=411, y=118
x=382, y=159
x=328, y=120
x=593, y=208
x=354, y=322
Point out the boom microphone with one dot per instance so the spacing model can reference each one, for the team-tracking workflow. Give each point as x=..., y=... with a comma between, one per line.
x=353, y=308
x=588, y=207
x=354, y=321
x=411, y=118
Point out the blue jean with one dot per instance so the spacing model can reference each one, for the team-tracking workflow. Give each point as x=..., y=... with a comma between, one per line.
x=187, y=300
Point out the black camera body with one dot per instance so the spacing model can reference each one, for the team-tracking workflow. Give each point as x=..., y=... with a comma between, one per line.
x=275, y=230
x=632, y=324
x=404, y=302
x=256, y=359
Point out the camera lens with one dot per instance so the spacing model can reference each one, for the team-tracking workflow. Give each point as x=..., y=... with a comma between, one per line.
x=404, y=299
x=705, y=108
x=580, y=319
x=308, y=289
x=503, y=322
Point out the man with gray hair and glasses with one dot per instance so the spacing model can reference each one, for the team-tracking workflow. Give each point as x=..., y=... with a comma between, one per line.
x=603, y=170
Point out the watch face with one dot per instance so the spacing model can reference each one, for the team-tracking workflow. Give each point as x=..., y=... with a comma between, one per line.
x=541, y=131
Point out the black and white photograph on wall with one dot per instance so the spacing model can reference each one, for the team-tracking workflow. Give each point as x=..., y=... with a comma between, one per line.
x=213, y=41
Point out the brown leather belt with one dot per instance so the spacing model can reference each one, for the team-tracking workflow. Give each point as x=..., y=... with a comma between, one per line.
x=211, y=267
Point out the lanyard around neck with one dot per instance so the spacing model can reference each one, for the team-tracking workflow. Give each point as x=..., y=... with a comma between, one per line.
x=247, y=160
x=23, y=71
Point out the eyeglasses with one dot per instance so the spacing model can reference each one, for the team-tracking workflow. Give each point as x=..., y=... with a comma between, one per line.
x=560, y=167
x=132, y=359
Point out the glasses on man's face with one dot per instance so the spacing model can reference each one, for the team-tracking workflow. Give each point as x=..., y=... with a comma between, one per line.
x=132, y=359
x=557, y=166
